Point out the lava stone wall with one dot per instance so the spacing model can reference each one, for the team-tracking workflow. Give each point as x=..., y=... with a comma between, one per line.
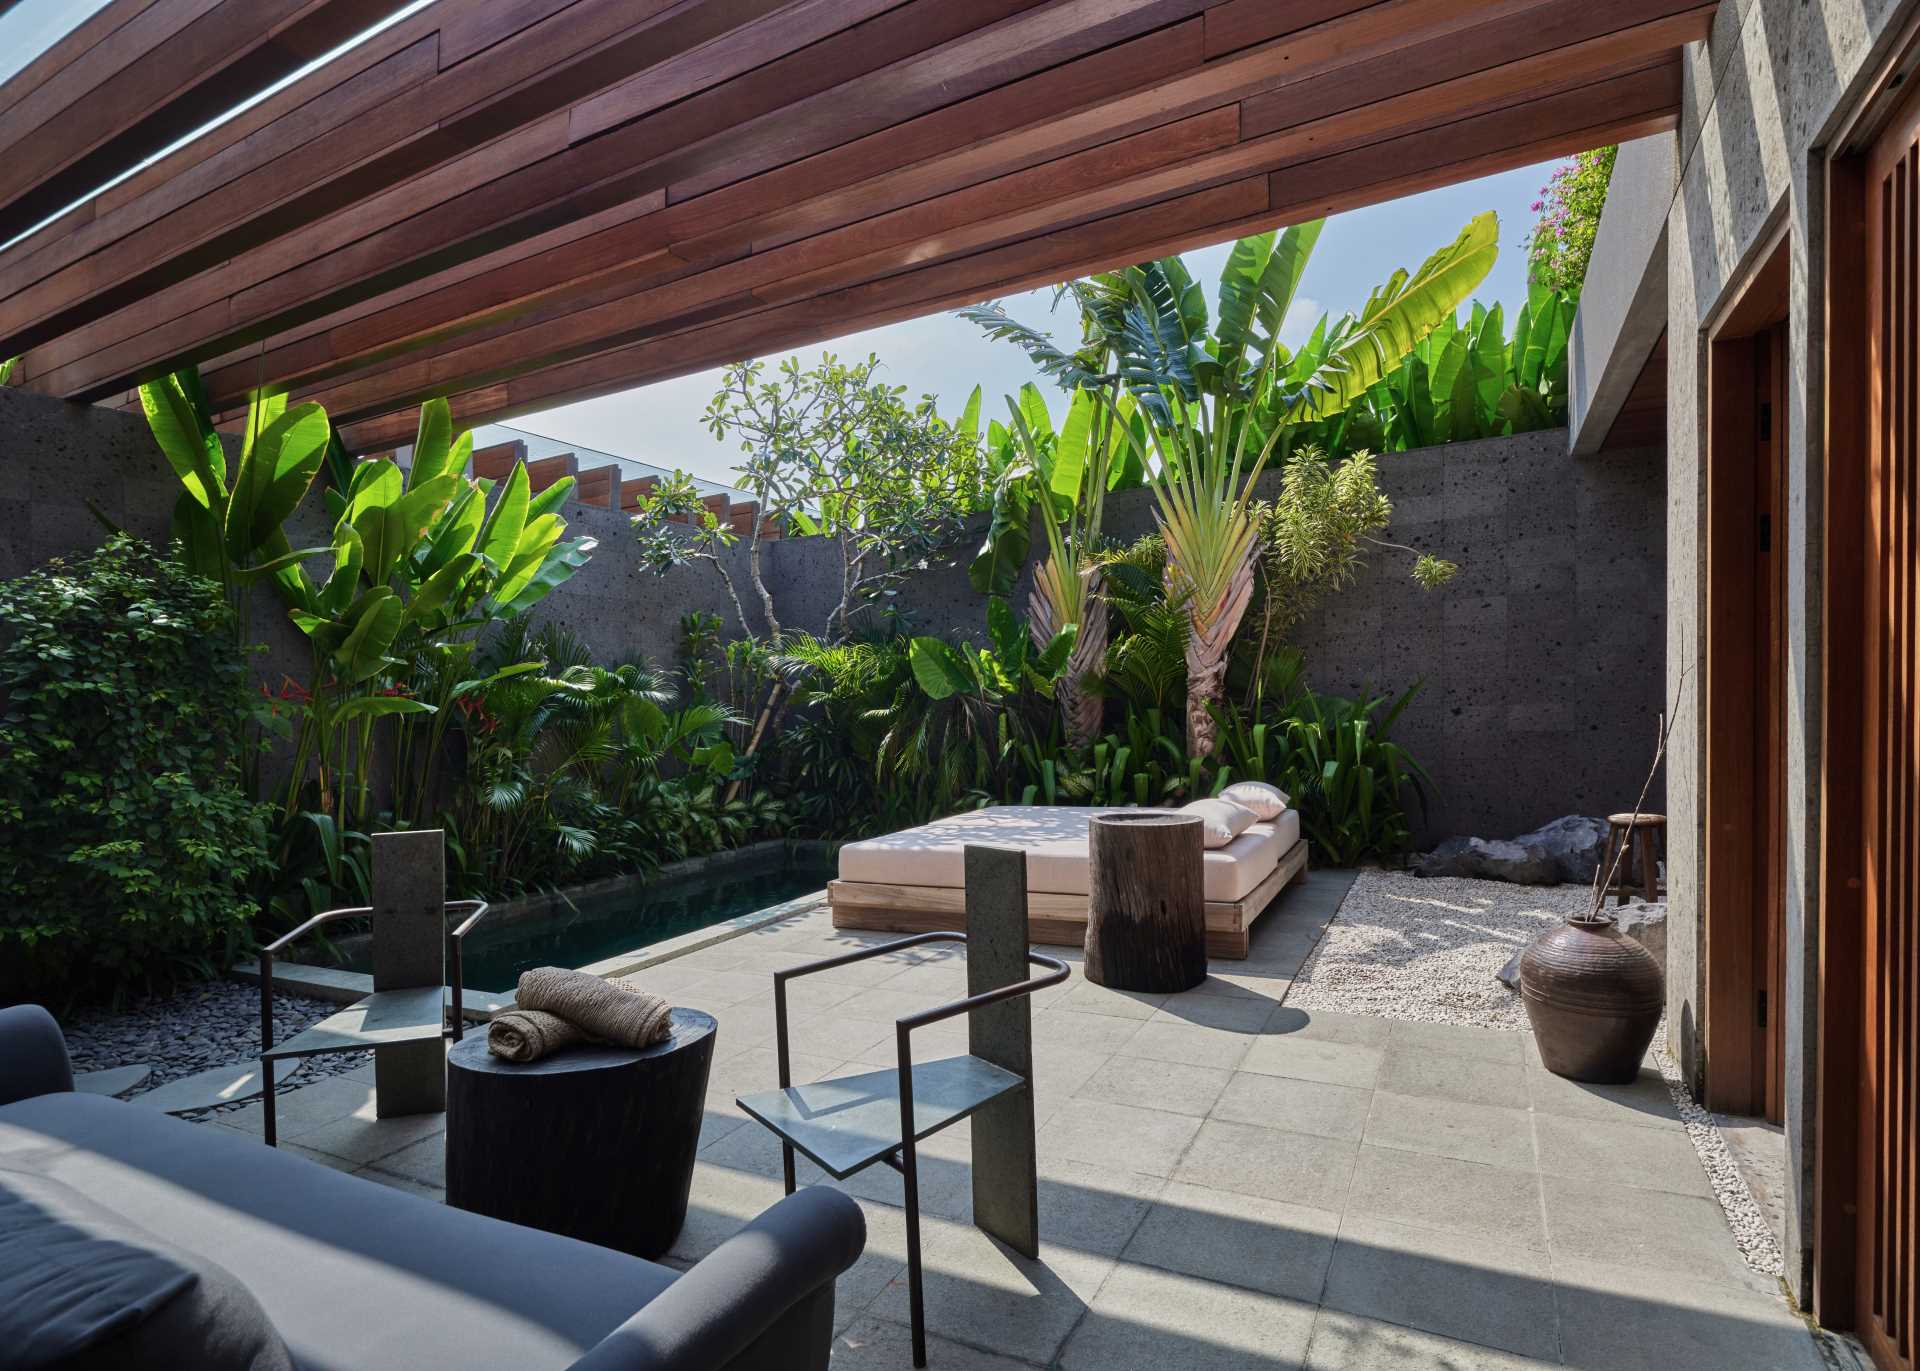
x=1541, y=663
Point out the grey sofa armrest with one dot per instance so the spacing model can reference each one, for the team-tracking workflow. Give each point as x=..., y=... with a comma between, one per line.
x=775, y=1276
x=33, y=1054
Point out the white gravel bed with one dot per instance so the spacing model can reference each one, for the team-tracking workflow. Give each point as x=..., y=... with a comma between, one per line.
x=1426, y=948
x=1751, y=1232
x=195, y=1028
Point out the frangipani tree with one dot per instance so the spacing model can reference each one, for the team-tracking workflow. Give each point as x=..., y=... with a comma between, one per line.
x=1218, y=397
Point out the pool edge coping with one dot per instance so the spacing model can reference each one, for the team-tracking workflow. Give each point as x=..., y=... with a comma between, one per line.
x=345, y=987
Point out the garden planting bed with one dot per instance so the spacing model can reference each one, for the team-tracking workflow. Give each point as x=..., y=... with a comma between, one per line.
x=195, y=1029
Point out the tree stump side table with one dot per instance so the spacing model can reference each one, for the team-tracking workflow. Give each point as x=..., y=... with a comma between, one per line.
x=595, y=1143
x=1146, y=906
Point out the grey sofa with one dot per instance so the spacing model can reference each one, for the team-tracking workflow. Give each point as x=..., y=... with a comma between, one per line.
x=357, y=1275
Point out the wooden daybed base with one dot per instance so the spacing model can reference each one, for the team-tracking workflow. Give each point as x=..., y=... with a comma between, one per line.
x=1059, y=920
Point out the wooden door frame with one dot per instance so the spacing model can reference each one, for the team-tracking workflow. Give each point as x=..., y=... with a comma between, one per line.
x=1842, y=392
x=1743, y=871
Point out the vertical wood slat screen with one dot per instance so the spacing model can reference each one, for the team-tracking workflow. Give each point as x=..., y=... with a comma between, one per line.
x=1890, y=1082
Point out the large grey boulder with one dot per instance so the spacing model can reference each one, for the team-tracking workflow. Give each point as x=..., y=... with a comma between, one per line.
x=1576, y=843
x=1490, y=859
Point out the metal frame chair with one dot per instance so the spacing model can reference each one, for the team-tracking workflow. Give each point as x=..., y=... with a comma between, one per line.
x=836, y=1123
x=385, y=1018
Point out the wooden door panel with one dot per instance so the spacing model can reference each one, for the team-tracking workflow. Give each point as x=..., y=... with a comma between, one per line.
x=1890, y=764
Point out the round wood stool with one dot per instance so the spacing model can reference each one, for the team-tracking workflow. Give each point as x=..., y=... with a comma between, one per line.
x=594, y=1143
x=1643, y=836
x=1146, y=902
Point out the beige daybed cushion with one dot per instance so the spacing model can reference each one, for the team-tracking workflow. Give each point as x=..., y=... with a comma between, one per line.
x=1055, y=839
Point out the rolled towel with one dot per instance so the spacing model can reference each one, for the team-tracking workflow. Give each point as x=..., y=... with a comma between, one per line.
x=609, y=1011
x=527, y=1035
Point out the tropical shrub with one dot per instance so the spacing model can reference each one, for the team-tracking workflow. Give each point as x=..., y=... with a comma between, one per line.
x=1569, y=206
x=1216, y=400
x=127, y=844
x=574, y=769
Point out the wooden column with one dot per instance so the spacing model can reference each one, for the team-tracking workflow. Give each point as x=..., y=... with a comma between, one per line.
x=1146, y=908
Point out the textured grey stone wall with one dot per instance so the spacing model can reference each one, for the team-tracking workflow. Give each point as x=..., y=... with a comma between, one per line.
x=1763, y=97
x=1541, y=662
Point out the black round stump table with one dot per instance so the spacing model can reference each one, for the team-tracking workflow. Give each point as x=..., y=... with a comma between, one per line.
x=595, y=1143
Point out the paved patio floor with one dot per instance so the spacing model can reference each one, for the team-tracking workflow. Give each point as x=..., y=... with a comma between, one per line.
x=1225, y=1181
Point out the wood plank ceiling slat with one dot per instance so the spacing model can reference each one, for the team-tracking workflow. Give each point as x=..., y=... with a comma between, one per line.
x=722, y=177
x=139, y=74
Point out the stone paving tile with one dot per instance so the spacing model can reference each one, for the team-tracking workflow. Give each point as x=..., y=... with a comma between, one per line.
x=1652, y=1230
x=1242, y=1240
x=1628, y=1154
x=1479, y=1289
x=1326, y=1111
x=841, y=1036
x=1188, y=1043
x=424, y=1162
x=1088, y=998
x=361, y=1138
x=720, y=1202
x=303, y=1110
x=720, y=1117
x=1445, y=1076
x=1460, y=1040
x=1426, y=1191
x=1294, y=1167
x=1149, y=1084
x=757, y=1069
x=876, y=1345
x=1348, y=1342
x=1244, y=1014
x=1311, y=1059
x=1615, y=1318
x=981, y=1292
x=1645, y=1102
x=1327, y=1025
x=1123, y=1137
x=1093, y=1208
x=1448, y=1128
x=405, y=1184
x=1144, y=1317
x=1088, y=1032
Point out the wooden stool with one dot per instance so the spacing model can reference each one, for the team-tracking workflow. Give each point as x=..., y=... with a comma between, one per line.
x=1642, y=836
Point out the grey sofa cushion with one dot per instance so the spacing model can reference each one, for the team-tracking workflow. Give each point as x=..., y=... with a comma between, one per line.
x=81, y=1289
x=352, y=1274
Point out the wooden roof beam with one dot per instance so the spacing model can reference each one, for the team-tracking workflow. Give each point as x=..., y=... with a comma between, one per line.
x=1070, y=104
x=139, y=74
x=436, y=86
x=1198, y=152
x=1480, y=147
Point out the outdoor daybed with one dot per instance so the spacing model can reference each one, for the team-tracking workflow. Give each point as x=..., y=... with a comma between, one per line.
x=912, y=881
x=131, y=1239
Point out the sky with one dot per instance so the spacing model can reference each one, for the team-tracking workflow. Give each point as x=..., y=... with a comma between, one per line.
x=946, y=357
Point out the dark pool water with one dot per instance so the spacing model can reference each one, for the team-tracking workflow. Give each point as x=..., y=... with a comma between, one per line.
x=603, y=926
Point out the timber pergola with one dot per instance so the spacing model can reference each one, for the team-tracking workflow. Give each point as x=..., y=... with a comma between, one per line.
x=517, y=205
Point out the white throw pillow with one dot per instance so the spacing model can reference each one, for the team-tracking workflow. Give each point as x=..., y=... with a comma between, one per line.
x=1221, y=820
x=1268, y=802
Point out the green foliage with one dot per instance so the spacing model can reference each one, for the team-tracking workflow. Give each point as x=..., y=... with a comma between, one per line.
x=1465, y=381
x=1561, y=245
x=575, y=769
x=126, y=842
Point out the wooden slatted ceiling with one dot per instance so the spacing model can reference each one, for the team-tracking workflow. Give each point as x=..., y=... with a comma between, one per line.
x=138, y=74
x=759, y=191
